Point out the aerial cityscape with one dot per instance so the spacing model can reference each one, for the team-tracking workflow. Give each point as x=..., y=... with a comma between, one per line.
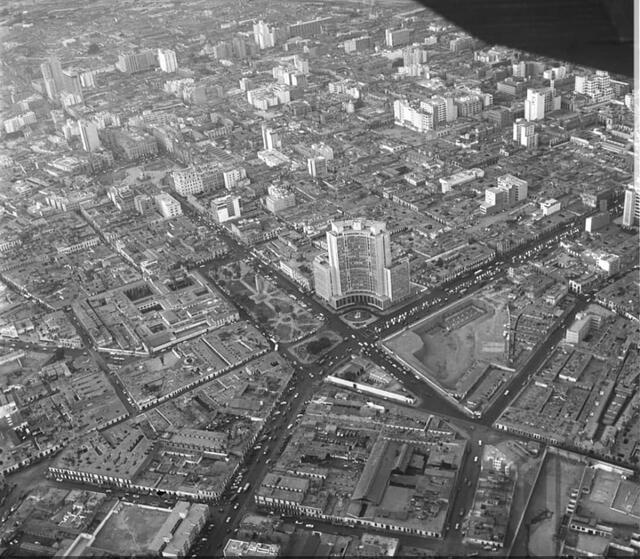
x=312, y=278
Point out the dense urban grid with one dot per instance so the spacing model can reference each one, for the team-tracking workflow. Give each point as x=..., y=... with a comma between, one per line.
x=311, y=278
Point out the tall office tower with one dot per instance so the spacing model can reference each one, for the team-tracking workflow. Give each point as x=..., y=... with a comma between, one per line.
x=631, y=212
x=89, y=135
x=539, y=102
x=359, y=268
x=398, y=37
x=264, y=36
x=167, y=60
x=270, y=138
x=524, y=133
x=317, y=166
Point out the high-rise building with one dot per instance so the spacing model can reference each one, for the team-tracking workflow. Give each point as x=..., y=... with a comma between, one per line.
x=527, y=68
x=443, y=109
x=187, y=181
x=555, y=73
x=133, y=62
x=510, y=191
x=411, y=117
x=233, y=177
x=518, y=189
x=225, y=208
x=597, y=86
x=89, y=135
x=358, y=44
x=631, y=211
x=239, y=48
x=264, y=36
x=524, y=133
x=270, y=138
x=469, y=105
x=167, y=60
x=359, y=268
x=57, y=80
x=317, y=166
x=398, y=37
x=414, y=54
x=539, y=102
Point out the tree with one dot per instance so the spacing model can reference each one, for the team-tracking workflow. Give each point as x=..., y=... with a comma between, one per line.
x=93, y=49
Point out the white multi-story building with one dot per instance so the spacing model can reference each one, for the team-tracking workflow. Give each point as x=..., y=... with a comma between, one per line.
x=539, y=102
x=226, y=208
x=88, y=135
x=443, y=109
x=233, y=177
x=398, y=37
x=187, y=181
x=596, y=86
x=279, y=199
x=631, y=211
x=524, y=133
x=414, y=54
x=168, y=206
x=469, y=105
x=167, y=60
x=462, y=177
x=555, y=73
x=270, y=138
x=510, y=191
x=550, y=206
x=412, y=117
x=317, y=166
x=264, y=36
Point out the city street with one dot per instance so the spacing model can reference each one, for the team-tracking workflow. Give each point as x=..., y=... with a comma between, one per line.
x=307, y=379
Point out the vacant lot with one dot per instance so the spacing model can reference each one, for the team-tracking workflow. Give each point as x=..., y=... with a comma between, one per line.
x=130, y=530
x=449, y=344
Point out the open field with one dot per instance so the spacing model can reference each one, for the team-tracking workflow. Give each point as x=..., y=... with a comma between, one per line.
x=448, y=344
